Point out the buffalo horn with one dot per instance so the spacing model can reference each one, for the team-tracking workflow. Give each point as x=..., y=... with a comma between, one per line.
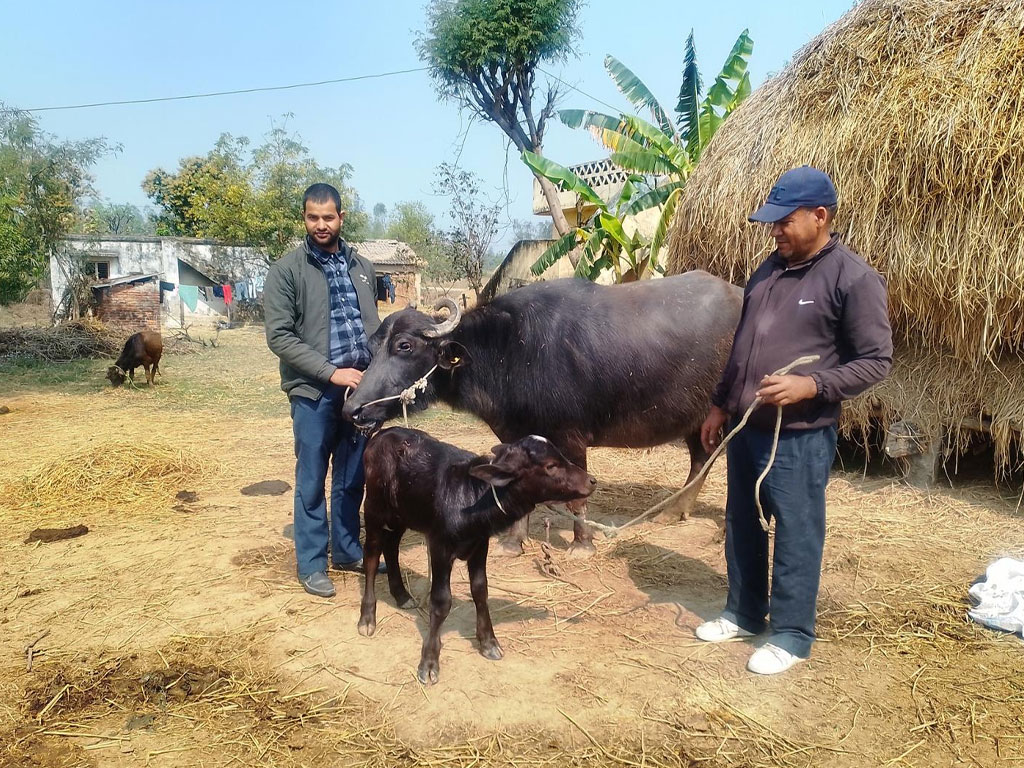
x=447, y=326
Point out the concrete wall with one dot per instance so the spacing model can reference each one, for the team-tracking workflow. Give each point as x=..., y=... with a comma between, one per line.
x=133, y=255
x=514, y=271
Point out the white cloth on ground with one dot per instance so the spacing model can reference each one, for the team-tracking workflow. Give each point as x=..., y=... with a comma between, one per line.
x=1000, y=596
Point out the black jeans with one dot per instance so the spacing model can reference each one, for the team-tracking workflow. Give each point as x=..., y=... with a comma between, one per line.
x=794, y=494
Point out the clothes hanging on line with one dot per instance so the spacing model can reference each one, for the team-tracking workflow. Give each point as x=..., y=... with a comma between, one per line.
x=190, y=295
x=218, y=291
x=227, y=293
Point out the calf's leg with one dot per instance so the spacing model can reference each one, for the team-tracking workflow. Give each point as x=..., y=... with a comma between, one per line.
x=371, y=559
x=440, y=606
x=477, y=566
x=402, y=597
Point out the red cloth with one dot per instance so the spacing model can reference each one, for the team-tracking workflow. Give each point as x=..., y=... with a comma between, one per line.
x=227, y=293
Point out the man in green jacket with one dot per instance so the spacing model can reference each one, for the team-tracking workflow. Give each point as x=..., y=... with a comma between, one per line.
x=320, y=307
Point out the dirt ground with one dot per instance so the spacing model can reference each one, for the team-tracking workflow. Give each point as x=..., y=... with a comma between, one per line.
x=173, y=633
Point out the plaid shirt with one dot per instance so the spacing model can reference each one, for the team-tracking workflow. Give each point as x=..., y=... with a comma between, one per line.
x=348, y=347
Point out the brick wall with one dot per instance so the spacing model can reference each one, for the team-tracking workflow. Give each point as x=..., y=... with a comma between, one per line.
x=134, y=306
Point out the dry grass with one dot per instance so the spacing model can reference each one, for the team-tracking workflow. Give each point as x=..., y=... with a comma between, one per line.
x=906, y=104
x=115, y=475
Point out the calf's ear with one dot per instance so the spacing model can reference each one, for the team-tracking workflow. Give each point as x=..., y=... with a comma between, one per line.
x=451, y=354
x=492, y=474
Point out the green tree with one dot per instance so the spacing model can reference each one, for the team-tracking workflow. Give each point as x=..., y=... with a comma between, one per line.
x=486, y=56
x=530, y=230
x=234, y=195
x=42, y=182
x=102, y=217
x=660, y=154
x=379, y=223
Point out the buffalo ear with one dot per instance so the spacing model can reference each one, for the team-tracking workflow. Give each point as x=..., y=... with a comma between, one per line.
x=451, y=355
x=492, y=474
x=499, y=449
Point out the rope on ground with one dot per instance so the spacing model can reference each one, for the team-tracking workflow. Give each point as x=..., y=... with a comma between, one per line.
x=615, y=530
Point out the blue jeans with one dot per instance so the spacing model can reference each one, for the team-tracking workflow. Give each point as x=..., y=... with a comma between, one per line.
x=794, y=494
x=323, y=437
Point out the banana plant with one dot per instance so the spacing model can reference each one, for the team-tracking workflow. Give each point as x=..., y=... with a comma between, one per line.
x=603, y=243
x=660, y=153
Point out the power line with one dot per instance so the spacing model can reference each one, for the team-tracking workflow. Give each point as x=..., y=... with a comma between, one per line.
x=228, y=93
x=581, y=92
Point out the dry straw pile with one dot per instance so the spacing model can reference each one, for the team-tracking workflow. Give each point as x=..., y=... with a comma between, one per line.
x=63, y=343
x=915, y=109
x=114, y=475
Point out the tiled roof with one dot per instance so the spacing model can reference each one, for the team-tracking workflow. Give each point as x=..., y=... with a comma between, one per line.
x=388, y=252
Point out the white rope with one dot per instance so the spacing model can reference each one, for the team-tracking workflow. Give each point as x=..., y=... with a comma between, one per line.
x=494, y=492
x=614, y=530
x=407, y=397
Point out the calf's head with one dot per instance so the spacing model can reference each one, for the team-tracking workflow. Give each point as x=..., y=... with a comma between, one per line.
x=115, y=376
x=536, y=470
x=405, y=348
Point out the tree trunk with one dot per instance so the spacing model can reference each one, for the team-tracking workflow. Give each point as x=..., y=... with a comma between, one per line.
x=554, y=206
x=562, y=226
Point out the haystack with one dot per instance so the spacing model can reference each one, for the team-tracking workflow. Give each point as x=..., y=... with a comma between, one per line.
x=915, y=109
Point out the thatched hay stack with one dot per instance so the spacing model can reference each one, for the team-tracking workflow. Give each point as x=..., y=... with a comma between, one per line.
x=916, y=110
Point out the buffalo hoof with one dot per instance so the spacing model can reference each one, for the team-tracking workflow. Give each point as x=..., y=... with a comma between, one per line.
x=429, y=672
x=508, y=548
x=367, y=627
x=669, y=516
x=582, y=550
x=405, y=602
x=491, y=650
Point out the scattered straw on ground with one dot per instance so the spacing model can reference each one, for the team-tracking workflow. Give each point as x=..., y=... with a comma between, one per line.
x=114, y=475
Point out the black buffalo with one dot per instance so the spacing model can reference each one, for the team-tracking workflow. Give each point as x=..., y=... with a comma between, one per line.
x=626, y=366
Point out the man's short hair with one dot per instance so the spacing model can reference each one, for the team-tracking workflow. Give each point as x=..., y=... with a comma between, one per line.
x=831, y=212
x=322, y=193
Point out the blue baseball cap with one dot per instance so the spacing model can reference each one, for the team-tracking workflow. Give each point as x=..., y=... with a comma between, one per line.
x=802, y=187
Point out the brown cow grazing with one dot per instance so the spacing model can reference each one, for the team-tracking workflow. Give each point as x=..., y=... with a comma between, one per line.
x=143, y=348
x=458, y=501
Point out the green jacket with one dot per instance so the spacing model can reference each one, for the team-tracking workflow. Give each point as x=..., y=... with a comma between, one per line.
x=296, y=305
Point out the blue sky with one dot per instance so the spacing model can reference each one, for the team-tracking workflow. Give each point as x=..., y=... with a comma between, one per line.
x=394, y=131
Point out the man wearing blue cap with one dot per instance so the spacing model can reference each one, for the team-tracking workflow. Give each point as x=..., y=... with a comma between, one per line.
x=811, y=296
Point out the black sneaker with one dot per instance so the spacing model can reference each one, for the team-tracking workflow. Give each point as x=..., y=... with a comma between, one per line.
x=318, y=584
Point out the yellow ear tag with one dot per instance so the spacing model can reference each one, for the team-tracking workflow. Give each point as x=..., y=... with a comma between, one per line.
x=455, y=360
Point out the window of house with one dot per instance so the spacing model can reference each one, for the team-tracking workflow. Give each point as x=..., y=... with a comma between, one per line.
x=98, y=269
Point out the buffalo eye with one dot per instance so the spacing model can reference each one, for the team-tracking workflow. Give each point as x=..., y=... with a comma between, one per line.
x=403, y=346
x=550, y=467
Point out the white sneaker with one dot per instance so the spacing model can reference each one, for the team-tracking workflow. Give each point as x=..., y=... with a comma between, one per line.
x=720, y=630
x=771, y=660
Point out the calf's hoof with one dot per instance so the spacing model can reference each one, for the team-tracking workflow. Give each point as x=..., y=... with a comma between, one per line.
x=490, y=649
x=581, y=550
x=429, y=672
x=367, y=627
x=508, y=548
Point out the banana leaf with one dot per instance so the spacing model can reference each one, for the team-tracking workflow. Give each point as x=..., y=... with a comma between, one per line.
x=564, y=245
x=561, y=175
x=651, y=199
x=633, y=88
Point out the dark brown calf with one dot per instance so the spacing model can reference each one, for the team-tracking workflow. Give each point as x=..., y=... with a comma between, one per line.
x=458, y=501
x=143, y=348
